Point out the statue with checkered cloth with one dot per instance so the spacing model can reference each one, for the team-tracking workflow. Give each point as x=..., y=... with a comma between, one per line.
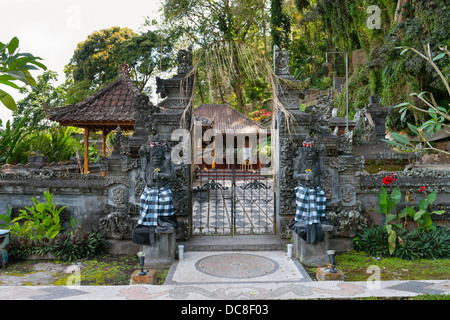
x=157, y=213
x=310, y=197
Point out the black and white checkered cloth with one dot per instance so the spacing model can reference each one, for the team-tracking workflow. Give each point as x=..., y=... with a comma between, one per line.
x=310, y=204
x=155, y=203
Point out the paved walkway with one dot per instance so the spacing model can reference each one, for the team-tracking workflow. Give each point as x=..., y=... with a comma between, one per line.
x=243, y=275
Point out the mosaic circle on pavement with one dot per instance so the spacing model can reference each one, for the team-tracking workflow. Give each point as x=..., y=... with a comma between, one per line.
x=237, y=265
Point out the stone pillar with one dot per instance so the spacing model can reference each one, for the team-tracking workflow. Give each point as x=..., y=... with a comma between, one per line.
x=162, y=254
x=314, y=255
x=176, y=92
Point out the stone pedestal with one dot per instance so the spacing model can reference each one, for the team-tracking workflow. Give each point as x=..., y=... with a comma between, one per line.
x=162, y=254
x=314, y=255
x=324, y=274
x=149, y=278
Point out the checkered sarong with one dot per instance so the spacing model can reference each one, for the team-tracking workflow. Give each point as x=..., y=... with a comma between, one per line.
x=310, y=204
x=155, y=203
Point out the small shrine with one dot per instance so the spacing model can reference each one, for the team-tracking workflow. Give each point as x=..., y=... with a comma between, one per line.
x=104, y=111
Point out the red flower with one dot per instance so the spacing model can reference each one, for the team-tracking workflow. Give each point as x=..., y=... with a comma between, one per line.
x=422, y=189
x=388, y=180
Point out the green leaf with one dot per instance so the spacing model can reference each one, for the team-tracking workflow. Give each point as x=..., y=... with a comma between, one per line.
x=398, y=145
x=390, y=217
x=396, y=195
x=410, y=211
x=12, y=45
x=402, y=104
x=418, y=215
x=7, y=100
x=412, y=128
x=403, y=51
x=391, y=240
x=431, y=198
x=400, y=138
x=439, y=56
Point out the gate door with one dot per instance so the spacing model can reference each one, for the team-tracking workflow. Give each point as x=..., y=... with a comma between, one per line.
x=233, y=199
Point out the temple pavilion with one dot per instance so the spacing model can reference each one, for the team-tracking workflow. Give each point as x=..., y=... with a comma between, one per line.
x=104, y=111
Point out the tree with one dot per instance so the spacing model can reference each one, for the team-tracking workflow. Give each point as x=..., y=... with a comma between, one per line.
x=206, y=22
x=15, y=66
x=96, y=60
x=145, y=53
x=439, y=115
x=43, y=93
x=280, y=25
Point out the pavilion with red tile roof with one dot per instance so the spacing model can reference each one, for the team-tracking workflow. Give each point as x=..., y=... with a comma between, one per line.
x=104, y=111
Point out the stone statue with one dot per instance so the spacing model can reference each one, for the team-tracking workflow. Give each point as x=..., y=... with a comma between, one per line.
x=310, y=197
x=184, y=61
x=157, y=212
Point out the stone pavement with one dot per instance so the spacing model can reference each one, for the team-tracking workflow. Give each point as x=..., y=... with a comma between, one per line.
x=243, y=275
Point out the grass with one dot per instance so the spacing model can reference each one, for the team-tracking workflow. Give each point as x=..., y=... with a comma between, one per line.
x=355, y=266
x=98, y=271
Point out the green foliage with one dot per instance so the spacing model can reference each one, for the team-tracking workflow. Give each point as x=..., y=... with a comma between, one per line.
x=66, y=246
x=415, y=243
x=95, y=62
x=15, y=66
x=43, y=94
x=280, y=25
x=57, y=143
x=72, y=246
x=387, y=204
x=438, y=115
x=145, y=53
x=236, y=23
x=38, y=231
x=13, y=146
x=37, y=222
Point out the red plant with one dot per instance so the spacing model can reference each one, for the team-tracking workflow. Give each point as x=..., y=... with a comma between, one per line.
x=422, y=189
x=389, y=179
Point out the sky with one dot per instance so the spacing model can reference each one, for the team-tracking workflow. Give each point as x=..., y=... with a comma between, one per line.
x=52, y=29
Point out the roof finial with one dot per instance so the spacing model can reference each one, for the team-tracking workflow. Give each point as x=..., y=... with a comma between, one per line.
x=124, y=69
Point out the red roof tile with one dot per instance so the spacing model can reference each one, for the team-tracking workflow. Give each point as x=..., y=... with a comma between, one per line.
x=226, y=119
x=112, y=105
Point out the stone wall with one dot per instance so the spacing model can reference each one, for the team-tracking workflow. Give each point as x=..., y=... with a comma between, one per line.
x=84, y=196
x=408, y=180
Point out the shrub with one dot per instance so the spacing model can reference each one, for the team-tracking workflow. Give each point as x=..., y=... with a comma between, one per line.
x=411, y=245
x=67, y=246
x=71, y=246
x=40, y=233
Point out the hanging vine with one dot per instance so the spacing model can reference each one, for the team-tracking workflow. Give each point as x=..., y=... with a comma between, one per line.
x=223, y=60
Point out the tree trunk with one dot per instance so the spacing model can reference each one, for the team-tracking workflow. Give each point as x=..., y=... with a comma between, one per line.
x=401, y=13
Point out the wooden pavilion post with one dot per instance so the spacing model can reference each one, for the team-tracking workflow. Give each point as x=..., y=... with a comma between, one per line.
x=104, y=133
x=86, y=150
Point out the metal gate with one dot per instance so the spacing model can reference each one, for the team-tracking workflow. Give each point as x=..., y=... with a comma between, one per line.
x=237, y=199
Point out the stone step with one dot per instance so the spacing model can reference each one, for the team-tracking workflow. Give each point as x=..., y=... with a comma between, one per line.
x=235, y=243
